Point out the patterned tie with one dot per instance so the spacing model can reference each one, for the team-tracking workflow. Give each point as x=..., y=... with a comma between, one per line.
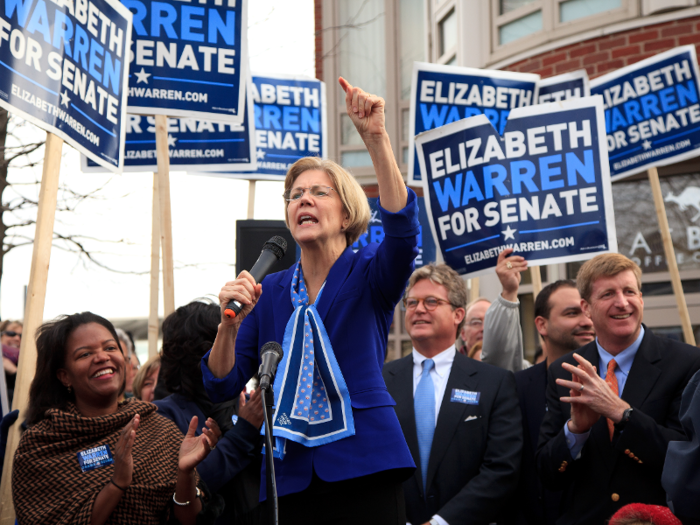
x=611, y=380
x=424, y=407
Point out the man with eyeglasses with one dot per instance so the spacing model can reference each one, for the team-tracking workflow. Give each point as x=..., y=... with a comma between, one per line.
x=461, y=418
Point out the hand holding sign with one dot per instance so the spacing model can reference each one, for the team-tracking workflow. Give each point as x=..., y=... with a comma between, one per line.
x=509, y=271
x=366, y=111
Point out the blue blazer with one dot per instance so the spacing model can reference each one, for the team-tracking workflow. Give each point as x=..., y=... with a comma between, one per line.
x=357, y=308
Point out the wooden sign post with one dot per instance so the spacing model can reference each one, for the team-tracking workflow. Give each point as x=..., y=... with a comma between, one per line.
x=166, y=223
x=34, y=313
x=670, y=253
x=536, y=278
x=155, y=272
x=251, y=199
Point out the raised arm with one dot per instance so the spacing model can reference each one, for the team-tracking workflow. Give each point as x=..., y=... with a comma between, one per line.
x=503, y=338
x=367, y=114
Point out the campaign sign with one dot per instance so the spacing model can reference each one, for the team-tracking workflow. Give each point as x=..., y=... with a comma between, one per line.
x=64, y=66
x=375, y=233
x=290, y=123
x=542, y=189
x=189, y=59
x=444, y=94
x=564, y=87
x=652, y=114
x=193, y=144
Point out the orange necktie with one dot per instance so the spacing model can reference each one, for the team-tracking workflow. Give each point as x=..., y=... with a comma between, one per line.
x=611, y=380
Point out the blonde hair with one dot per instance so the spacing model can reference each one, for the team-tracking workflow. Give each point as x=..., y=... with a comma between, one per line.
x=351, y=195
x=443, y=275
x=4, y=325
x=146, y=370
x=604, y=265
x=474, y=349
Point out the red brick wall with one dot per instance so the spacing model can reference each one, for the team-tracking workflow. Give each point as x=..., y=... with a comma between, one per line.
x=318, y=46
x=603, y=54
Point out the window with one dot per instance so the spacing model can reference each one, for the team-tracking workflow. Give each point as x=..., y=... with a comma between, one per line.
x=518, y=25
x=362, y=50
x=411, y=41
x=447, y=28
x=506, y=6
x=519, y=28
x=574, y=9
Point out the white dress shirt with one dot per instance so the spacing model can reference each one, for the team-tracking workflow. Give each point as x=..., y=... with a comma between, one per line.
x=439, y=374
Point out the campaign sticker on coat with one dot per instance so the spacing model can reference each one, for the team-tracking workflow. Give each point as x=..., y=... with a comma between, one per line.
x=564, y=87
x=95, y=457
x=652, y=113
x=290, y=123
x=375, y=233
x=189, y=59
x=543, y=188
x=64, y=67
x=444, y=94
x=193, y=144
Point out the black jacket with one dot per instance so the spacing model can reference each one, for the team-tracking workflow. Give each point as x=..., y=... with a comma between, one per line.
x=475, y=456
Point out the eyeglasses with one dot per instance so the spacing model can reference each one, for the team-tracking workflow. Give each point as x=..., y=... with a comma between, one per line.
x=297, y=193
x=429, y=303
x=476, y=323
x=11, y=333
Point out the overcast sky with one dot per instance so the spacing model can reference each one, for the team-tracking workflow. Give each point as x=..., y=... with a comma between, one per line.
x=281, y=40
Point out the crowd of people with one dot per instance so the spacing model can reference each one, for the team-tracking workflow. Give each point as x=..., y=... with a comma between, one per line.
x=463, y=430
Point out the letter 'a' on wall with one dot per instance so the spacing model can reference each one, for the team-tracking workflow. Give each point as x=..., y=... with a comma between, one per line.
x=652, y=112
x=444, y=94
x=189, y=59
x=542, y=188
x=64, y=68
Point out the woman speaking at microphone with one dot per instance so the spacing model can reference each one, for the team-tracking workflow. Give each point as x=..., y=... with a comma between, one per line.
x=342, y=453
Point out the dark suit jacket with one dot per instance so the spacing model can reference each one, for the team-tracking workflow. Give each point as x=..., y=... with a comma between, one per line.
x=221, y=470
x=536, y=504
x=475, y=456
x=607, y=476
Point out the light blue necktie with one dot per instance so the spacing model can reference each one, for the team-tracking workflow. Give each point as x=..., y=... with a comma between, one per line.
x=424, y=407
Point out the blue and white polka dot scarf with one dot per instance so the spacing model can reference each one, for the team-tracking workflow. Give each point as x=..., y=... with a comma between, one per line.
x=311, y=397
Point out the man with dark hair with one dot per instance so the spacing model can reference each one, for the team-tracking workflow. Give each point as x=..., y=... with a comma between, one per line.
x=460, y=417
x=612, y=407
x=563, y=327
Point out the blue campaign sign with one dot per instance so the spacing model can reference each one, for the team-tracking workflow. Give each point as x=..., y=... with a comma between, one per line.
x=193, y=144
x=543, y=188
x=375, y=233
x=444, y=94
x=652, y=114
x=290, y=123
x=564, y=87
x=63, y=67
x=189, y=60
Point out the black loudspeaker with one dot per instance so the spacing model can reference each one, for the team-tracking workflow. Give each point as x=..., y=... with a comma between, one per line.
x=251, y=235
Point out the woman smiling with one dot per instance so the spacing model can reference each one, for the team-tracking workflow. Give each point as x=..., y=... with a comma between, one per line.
x=86, y=458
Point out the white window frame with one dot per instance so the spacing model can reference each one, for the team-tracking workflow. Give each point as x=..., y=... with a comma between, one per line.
x=552, y=29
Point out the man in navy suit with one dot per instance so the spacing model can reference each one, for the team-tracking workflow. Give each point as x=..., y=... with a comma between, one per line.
x=563, y=327
x=613, y=405
x=460, y=417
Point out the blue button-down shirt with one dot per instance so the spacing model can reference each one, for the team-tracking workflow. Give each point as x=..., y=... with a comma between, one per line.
x=624, y=361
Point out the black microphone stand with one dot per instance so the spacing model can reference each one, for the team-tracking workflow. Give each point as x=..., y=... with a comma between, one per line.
x=272, y=502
